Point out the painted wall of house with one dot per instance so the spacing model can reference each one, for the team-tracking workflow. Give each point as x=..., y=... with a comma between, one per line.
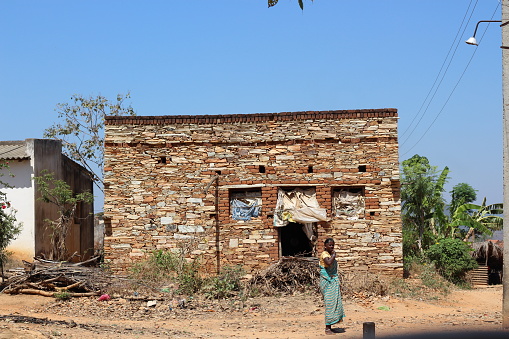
x=170, y=180
x=21, y=196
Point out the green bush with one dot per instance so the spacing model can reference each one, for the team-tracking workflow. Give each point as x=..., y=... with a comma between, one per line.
x=162, y=266
x=226, y=284
x=452, y=259
x=62, y=295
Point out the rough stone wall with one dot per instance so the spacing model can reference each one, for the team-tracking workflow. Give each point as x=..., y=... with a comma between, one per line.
x=168, y=182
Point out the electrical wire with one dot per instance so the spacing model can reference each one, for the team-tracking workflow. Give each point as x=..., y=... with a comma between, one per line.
x=455, y=86
x=440, y=71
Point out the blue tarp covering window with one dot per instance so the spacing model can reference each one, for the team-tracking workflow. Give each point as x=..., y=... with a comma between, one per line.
x=245, y=209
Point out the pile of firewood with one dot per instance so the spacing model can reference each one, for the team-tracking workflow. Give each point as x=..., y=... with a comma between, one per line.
x=287, y=276
x=47, y=278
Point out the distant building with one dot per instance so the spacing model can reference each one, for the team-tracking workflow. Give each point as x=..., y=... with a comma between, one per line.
x=249, y=189
x=28, y=158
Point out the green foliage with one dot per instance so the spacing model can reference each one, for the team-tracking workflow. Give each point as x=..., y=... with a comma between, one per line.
x=60, y=194
x=461, y=194
x=62, y=295
x=226, y=284
x=483, y=219
x=82, y=129
x=451, y=258
x=9, y=227
x=163, y=266
x=422, y=203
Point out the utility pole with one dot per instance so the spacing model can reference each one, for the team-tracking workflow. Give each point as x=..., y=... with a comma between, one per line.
x=505, y=131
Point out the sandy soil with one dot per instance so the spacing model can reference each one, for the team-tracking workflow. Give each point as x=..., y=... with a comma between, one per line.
x=300, y=316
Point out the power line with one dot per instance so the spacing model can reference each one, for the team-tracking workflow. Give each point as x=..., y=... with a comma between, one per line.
x=454, y=88
x=441, y=68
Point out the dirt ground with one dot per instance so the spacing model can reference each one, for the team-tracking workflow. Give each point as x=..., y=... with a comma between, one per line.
x=299, y=316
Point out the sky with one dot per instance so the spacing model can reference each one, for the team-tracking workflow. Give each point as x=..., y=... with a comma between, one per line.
x=199, y=57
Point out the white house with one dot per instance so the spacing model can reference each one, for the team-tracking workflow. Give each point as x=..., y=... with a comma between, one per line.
x=26, y=159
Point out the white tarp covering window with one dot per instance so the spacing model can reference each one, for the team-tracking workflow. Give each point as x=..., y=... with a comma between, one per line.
x=348, y=204
x=300, y=206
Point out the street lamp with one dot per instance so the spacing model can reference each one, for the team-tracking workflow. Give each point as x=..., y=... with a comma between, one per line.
x=505, y=123
x=473, y=40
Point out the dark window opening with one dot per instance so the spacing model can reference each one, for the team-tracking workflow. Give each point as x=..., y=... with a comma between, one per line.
x=362, y=168
x=161, y=160
x=218, y=172
x=261, y=169
x=372, y=213
x=310, y=169
x=294, y=241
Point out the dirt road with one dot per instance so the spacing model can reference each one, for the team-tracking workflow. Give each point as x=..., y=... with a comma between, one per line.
x=300, y=316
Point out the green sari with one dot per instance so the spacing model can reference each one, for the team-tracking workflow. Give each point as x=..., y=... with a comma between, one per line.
x=329, y=285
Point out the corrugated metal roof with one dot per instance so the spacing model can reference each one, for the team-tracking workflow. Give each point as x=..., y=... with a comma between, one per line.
x=13, y=150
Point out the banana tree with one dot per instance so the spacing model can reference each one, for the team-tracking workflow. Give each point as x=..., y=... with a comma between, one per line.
x=483, y=219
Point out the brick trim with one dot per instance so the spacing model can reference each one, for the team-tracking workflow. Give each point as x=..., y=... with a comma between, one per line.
x=250, y=118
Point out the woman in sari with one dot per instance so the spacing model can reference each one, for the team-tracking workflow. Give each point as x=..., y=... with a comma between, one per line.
x=329, y=285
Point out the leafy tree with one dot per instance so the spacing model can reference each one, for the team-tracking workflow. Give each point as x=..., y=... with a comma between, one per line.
x=274, y=2
x=422, y=203
x=9, y=227
x=461, y=194
x=59, y=193
x=482, y=218
x=452, y=259
x=82, y=129
x=9, y=230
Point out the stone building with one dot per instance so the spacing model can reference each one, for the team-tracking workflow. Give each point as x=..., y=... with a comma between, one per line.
x=250, y=188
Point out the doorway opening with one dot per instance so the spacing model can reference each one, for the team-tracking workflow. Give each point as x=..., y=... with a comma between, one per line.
x=294, y=241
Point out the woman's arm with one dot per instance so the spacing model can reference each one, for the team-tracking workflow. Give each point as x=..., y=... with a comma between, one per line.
x=330, y=259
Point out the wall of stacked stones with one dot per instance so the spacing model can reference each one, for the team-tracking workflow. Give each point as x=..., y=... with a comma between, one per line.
x=168, y=182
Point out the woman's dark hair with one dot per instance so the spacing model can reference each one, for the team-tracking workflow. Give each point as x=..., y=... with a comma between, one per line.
x=328, y=240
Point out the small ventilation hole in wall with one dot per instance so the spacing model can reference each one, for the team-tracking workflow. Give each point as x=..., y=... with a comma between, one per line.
x=372, y=213
x=310, y=169
x=362, y=168
x=218, y=172
x=261, y=169
x=162, y=160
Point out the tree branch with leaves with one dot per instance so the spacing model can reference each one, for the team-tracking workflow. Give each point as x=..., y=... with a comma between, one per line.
x=60, y=194
x=10, y=228
x=81, y=130
x=274, y=3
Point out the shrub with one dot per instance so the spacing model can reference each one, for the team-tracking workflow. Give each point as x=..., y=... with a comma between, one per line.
x=452, y=259
x=62, y=295
x=162, y=266
x=225, y=284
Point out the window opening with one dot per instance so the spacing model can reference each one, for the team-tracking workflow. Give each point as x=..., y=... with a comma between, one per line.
x=294, y=241
x=362, y=168
x=245, y=204
x=261, y=169
x=162, y=160
x=348, y=203
x=310, y=169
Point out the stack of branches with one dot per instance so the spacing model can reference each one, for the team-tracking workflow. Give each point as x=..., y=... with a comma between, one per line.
x=294, y=274
x=45, y=277
x=287, y=276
